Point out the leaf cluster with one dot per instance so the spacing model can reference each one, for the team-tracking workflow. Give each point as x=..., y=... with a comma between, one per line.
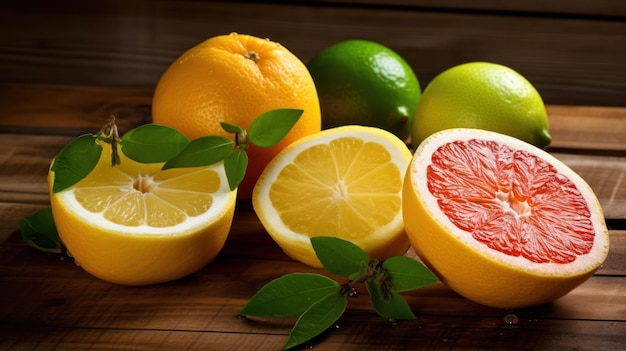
x=321, y=301
x=152, y=143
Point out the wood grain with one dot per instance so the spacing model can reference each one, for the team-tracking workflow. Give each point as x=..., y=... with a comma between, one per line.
x=85, y=109
x=608, y=9
x=222, y=288
x=67, y=65
x=573, y=53
x=92, y=311
x=587, y=128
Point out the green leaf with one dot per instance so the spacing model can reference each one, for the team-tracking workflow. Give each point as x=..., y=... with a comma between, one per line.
x=232, y=128
x=339, y=256
x=235, y=165
x=202, y=151
x=408, y=274
x=152, y=143
x=388, y=304
x=39, y=231
x=77, y=159
x=290, y=295
x=271, y=127
x=318, y=318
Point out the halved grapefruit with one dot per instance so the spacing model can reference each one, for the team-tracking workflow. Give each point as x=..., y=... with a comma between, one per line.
x=500, y=221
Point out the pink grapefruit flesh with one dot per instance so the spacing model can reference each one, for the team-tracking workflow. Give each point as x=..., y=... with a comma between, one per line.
x=500, y=221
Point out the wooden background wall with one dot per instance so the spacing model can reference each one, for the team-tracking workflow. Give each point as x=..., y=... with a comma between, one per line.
x=573, y=51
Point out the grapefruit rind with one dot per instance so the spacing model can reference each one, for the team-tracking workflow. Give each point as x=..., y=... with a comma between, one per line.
x=297, y=245
x=472, y=269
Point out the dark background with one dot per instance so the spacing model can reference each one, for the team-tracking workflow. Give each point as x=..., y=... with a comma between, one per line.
x=573, y=51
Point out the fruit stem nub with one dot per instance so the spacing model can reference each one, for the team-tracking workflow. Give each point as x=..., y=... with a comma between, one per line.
x=252, y=55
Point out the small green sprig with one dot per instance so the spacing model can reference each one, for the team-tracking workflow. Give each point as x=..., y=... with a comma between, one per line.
x=152, y=143
x=321, y=301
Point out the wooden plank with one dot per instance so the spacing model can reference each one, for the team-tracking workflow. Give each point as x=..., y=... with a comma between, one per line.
x=588, y=128
x=25, y=162
x=53, y=292
x=72, y=299
x=544, y=50
x=614, y=264
x=604, y=8
x=70, y=110
x=426, y=333
x=570, y=60
x=10, y=216
x=100, y=308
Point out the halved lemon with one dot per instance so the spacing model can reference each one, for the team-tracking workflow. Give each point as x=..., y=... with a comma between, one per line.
x=344, y=182
x=135, y=224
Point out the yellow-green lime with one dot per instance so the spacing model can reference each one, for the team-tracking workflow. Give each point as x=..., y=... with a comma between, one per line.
x=482, y=95
x=361, y=82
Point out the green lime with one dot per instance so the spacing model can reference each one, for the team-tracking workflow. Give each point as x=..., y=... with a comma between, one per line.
x=482, y=95
x=365, y=83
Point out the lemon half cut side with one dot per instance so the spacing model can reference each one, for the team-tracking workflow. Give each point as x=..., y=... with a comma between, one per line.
x=344, y=182
x=135, y=224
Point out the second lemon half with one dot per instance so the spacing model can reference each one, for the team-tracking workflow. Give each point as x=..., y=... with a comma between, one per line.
x=344, y=182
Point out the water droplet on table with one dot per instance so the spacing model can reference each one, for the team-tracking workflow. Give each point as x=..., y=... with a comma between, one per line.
x=510, y=319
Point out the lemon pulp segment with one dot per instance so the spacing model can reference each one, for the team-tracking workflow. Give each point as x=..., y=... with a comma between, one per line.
x=350, y=188
x=141, y=194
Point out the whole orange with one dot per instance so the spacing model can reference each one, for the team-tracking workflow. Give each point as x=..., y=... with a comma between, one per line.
x=234, y=78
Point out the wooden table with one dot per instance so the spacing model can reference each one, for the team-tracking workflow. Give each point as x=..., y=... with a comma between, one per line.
x=50, y=304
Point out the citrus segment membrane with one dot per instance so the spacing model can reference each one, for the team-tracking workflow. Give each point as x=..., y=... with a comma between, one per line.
x=343, y=180
x=511, y=201
x=145, y=195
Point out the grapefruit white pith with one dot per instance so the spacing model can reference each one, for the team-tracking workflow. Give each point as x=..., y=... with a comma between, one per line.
x=500, y=221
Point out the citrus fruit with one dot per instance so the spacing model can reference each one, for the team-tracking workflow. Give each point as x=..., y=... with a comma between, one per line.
x=344, y=182
x=134, y=224
x=234, y=78
x=500, y=221
x=365, y=83
x=482, y=95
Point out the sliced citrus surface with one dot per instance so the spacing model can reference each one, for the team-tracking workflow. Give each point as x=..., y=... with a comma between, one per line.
x=134, y=224
x=500, y=221
x=344, y=182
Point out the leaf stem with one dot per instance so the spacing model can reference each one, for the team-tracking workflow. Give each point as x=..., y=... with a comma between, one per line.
x=372, y=271
x=111, y=135
x=241, y=140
